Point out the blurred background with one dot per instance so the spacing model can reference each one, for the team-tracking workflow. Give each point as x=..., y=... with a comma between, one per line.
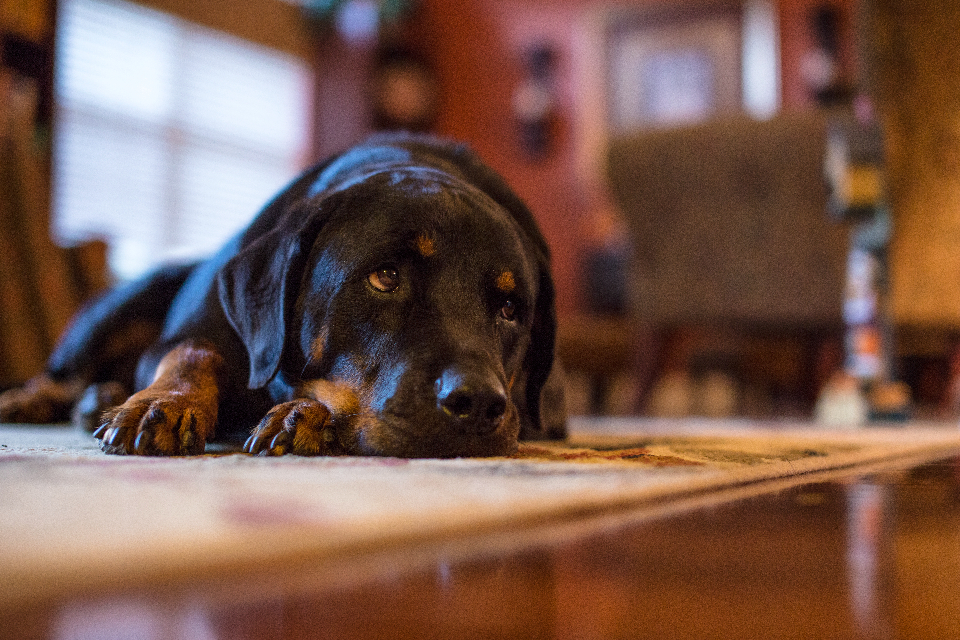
x=753, y=205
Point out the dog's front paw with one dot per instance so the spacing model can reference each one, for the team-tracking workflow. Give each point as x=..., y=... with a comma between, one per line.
x=159, y=424
x=301, y=427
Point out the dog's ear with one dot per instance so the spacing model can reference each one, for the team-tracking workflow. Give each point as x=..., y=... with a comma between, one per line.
x=538, y=364
x=258, y=286
x=254, y=293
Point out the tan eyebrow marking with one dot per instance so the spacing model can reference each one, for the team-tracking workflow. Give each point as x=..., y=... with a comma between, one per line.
x=425, y=245
x=505, y=282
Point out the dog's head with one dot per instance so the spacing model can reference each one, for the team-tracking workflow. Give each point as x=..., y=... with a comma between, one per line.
x=410, y=293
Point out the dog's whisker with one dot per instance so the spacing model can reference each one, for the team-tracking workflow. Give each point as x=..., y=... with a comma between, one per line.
x=305, y=367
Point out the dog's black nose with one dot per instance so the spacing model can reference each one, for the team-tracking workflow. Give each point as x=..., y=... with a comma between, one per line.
x=475, y=402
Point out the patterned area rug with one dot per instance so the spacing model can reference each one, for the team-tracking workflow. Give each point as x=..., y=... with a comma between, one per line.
x=76, y=521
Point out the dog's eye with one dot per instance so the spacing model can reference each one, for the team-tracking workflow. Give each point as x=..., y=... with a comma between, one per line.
x=509, y=310
x=386, y=279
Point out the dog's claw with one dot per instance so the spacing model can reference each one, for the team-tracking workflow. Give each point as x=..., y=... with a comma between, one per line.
x=117, y=440
x=142, y=444
x=113, y=436
x=254, y=444
x=280, y=443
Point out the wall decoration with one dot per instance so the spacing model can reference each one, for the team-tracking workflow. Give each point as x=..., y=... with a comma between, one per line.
x=673, y=67
x=535, y=102
x=404, y=91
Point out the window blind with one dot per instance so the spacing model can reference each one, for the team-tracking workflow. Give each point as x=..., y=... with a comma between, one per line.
x=169, y=136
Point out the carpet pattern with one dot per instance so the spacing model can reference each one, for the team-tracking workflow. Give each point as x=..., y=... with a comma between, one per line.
x=74, y=520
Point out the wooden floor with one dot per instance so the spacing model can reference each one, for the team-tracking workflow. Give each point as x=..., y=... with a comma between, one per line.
x=860, y=557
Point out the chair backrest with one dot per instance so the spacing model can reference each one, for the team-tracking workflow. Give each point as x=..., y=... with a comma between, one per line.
x=729, y=222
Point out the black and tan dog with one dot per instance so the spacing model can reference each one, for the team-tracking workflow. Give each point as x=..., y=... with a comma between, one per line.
x=394, y=300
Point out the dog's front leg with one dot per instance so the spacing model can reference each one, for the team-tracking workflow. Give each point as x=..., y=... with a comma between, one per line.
x=176, y=414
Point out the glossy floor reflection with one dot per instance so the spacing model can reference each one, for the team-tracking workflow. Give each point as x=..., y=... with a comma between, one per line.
x=862, y=557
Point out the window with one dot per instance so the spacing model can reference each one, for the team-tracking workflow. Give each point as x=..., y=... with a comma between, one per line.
x=169, y=136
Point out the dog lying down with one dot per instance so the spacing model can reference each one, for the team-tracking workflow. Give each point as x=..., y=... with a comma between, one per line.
x=394, y=300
